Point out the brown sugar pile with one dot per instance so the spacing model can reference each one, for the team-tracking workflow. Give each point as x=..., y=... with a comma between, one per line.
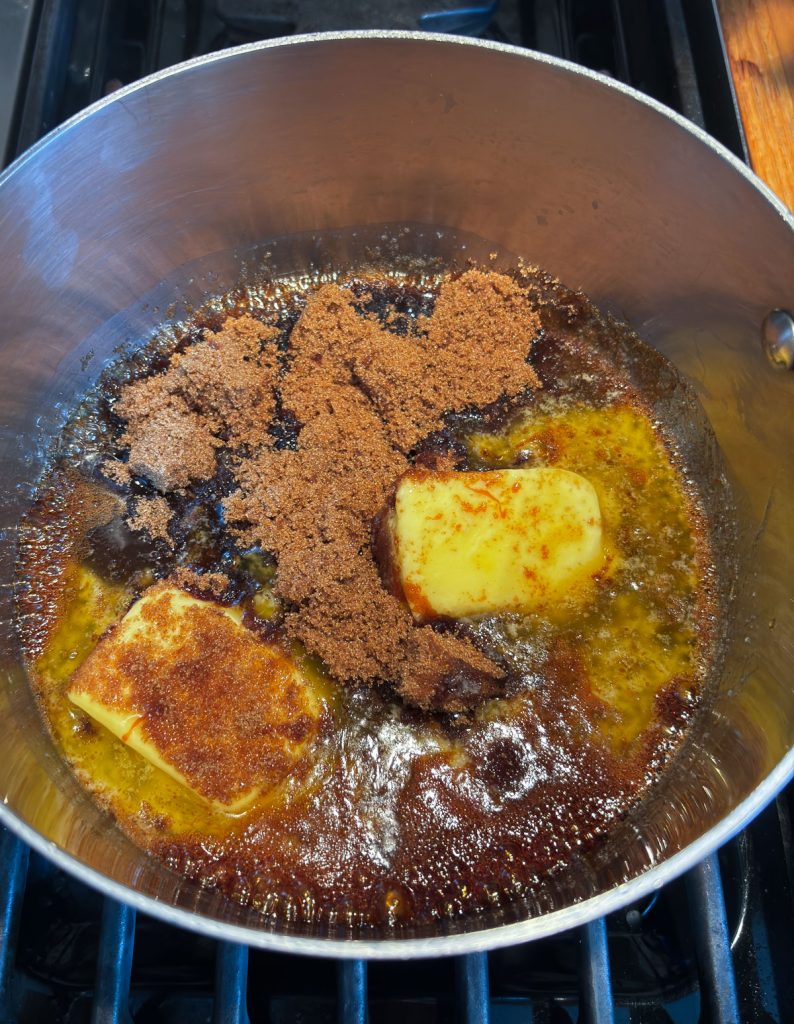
x=219, y=391
x=151, y=515
x=363, y=397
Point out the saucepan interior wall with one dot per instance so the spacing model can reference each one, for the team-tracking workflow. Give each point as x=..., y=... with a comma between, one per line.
x=176, y=179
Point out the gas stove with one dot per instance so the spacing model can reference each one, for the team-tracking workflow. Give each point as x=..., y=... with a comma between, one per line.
x=714, y=946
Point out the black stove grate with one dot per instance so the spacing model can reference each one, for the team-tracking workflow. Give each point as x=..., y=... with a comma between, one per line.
x=82, y=49
x=90, y=969
x=714, y=947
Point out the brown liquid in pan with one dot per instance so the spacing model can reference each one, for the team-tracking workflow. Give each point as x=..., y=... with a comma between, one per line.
x=408, y=805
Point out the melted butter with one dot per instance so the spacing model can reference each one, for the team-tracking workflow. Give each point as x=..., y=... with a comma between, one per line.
x=388, y=781
x=92, y=604
x=136, y=789
x=639, y=634
x=506, y=540
x=401, y=817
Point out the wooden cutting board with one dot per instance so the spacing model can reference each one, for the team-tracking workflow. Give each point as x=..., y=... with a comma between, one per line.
x=759, y=37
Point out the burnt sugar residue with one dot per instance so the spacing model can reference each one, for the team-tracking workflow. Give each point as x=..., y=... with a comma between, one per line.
x=247, y=463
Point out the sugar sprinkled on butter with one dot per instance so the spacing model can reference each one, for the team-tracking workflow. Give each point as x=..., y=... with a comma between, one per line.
x=183, y=683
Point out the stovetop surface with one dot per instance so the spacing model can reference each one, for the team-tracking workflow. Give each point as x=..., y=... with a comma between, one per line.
x=716, y=945
x=664, y=965
x=65, y=54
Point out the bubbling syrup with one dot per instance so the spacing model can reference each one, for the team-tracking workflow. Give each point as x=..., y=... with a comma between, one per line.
x=399, y=816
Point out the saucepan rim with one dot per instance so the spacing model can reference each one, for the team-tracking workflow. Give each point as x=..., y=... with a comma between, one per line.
x=476, y=940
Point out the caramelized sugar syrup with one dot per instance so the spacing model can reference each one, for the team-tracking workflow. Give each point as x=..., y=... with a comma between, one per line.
x=398, y=817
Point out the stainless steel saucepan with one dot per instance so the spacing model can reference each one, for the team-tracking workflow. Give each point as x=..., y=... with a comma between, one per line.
x=163, y=191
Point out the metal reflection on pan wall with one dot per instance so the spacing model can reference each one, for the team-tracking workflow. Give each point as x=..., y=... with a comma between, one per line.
x=585, y=178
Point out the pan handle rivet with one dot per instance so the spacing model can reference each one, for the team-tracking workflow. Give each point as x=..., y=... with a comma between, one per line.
x=777, y=338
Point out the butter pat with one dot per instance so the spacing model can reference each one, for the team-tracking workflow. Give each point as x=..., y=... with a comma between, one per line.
x=511, y=540
x=183, y=683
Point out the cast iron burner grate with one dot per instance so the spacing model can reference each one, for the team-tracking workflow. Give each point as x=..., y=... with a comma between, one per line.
x=715, y=946
x=80, y=50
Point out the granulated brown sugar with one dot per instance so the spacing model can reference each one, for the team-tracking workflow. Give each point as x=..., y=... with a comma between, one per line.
x=152, y=516
x=207, y=585
x=363, y=397
x=219, y=390
x=472, y=350
x=394, y=820
x=169, y=443
x=229, y=379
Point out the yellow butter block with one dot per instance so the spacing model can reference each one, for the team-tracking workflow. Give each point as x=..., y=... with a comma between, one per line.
x=181, y=681
x=517, y=540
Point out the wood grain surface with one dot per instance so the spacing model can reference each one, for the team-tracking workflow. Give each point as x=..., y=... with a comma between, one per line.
x=759, y=36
